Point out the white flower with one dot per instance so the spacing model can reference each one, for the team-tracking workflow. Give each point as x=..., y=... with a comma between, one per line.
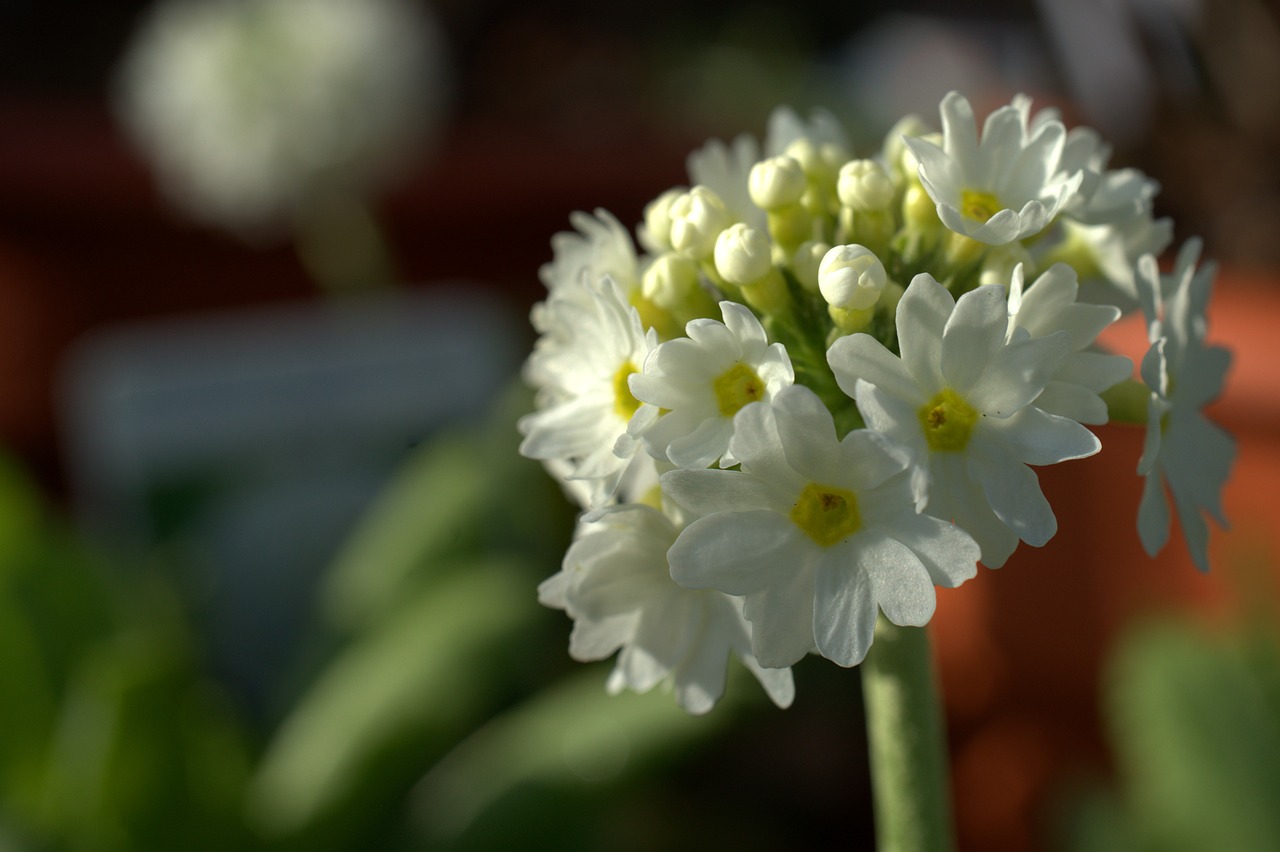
x=598, y=247
x=1109, y=253
x=818, y=534
x=1007, y=186
x=1049, y=304
x=580, y=368
x=616, y=585
x=1183, y=448
x=702, y=381
x=250, y=110
x=960, y=398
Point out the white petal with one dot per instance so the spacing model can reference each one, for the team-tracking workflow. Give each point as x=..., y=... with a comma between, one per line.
x=844, y=615
x=861, y=356
x=900, y=583
x=923, y=312
x=1036, y=437
x=738, y=553
x=1013, y=491
x=948, y=553
x=703, y=492
x=1018, y=373
x=973, y=334
x=781, y=619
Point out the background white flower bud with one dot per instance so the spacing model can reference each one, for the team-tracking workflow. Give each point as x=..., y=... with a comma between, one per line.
x=697, y=218
x=776, y=182
x=851, y=277
x=669, y=280
x=864, y=185
x=805, y=263
x=657, y=218
x=743, y=255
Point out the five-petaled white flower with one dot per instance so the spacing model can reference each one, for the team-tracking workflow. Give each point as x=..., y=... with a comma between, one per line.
x=818, y=534
x=960, y=397
x=693, y=386
x=1007, y=186
x=1183, y=447
x=617, y=587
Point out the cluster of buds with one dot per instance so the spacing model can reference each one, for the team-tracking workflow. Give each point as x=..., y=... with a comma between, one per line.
x=819, y=390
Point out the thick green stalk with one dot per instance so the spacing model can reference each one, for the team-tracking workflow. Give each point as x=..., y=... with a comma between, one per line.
x=907, y=745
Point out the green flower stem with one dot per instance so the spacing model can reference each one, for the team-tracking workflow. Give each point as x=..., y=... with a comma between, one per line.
x=907, y=746
x=342, y=247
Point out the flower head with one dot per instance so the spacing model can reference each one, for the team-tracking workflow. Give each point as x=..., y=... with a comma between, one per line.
x=1184, y=449
x=251, y=110
x=1006, y=186
x=961, y=398
x=701, y=382
x=818, y=534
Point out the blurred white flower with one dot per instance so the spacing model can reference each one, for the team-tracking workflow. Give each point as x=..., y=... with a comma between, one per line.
x=1183, y=448
x=249, y=110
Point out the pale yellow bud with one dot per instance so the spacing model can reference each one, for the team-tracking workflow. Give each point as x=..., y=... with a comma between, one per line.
x=851, y=277
x=864, y=185
x=743, y=255
x=805, y=263
x=776, y=182
x=657, y=217
x=697, y=218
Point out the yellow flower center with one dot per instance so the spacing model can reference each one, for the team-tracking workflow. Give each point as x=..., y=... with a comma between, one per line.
x=979, y=205
x=623, y=402
x=827, y=514
x=736, y=387
x=947, y=421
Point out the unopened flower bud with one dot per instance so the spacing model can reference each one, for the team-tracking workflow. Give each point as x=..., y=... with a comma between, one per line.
x=743, y=255
x=697, y=218
x=851, y=277
x=776, y=182
x=657, y=219
x=895, y=146
x=669, y=280
x=864, y=185
x=805, y=263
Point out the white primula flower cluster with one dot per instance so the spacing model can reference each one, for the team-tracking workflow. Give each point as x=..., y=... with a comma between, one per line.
x=822, y=387
x=250, y=109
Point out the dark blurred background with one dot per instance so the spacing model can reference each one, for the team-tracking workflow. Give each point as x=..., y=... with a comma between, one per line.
x=177, y=397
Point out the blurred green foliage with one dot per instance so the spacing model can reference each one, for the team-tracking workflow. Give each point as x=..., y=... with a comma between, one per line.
x=1194, y=722
x=435, y=706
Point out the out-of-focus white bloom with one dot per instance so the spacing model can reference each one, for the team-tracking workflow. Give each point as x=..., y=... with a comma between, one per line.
x=1183, y=449
x=616, y=586
x=864, y=185
x=1108, y=254
x=580, y=367
x=697, y=218
x=818, y=534
x=961, y=398
x=1004, y=187
x=776, y=182
x=598, y=247
x=1049, y=305
x=250, y=111
x=701, y=382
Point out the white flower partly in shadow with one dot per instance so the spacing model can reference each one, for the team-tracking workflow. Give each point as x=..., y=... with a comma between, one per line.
x=616, y=585
x=1184, y=449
